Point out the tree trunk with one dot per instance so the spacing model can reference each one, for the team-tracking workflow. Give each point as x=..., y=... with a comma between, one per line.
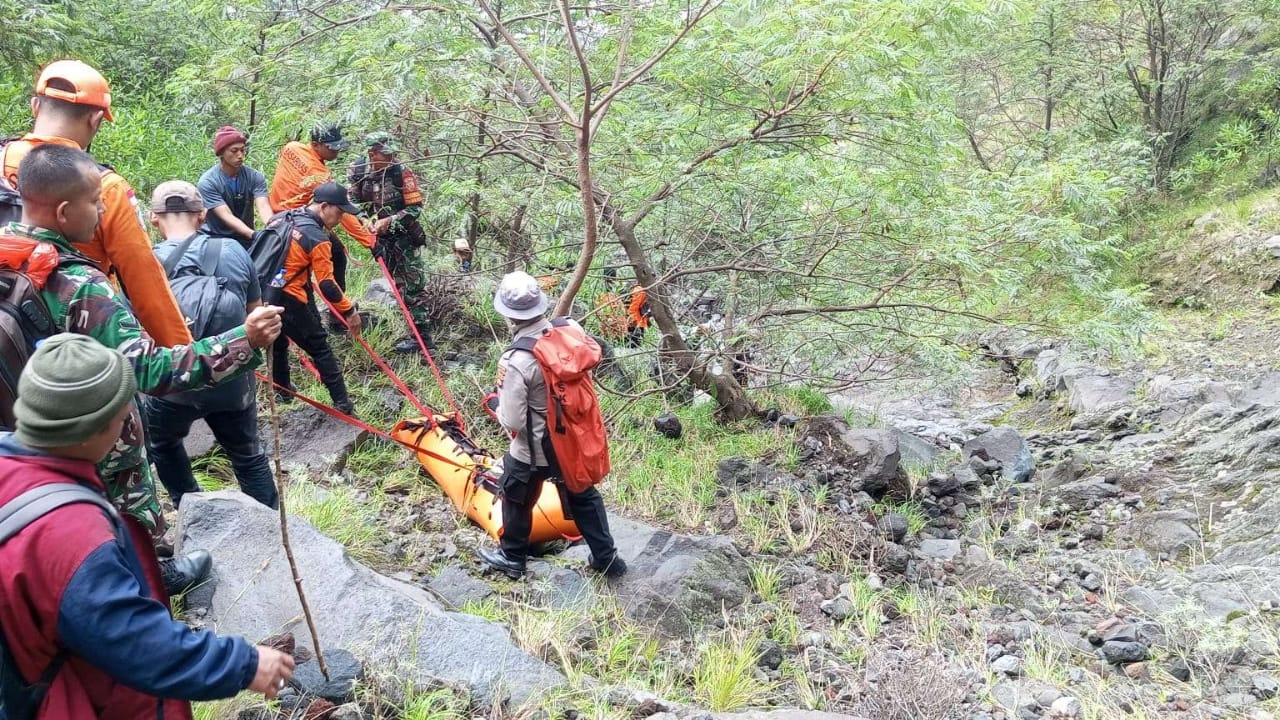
x=586, y=186
x=732, y=402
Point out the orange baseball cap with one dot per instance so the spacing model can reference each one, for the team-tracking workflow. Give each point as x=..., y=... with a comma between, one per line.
x=90, y=87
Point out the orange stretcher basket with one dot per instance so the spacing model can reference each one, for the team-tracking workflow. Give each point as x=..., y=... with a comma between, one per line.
x=465, y=472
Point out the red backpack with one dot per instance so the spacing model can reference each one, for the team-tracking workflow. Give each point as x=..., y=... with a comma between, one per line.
x=575, y=426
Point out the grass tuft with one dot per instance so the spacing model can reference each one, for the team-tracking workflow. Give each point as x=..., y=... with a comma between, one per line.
x=725, y=678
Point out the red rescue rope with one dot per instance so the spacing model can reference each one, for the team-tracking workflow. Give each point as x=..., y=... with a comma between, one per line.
x=357, y=422
x=413, y=328
x=382, y=364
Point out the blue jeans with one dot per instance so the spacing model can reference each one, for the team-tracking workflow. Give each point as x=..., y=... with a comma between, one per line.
x=234, y=424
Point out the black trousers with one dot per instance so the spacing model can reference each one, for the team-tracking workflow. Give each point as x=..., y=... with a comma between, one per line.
x=301, y=324
x=521, y=485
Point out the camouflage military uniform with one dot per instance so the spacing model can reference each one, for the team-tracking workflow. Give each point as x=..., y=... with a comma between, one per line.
x=394, y=193
x=82, y=300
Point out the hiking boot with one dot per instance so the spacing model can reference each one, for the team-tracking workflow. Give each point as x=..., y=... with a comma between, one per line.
x=284, y=398
x=498, y=560
x=182, y=574
x=345, y=406
x=615, y=568
x=407, y=344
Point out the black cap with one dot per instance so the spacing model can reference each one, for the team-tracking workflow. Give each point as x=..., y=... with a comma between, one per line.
x=329, y=135
x=334, y=194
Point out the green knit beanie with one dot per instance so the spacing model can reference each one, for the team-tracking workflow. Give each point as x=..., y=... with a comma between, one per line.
x=71, y=388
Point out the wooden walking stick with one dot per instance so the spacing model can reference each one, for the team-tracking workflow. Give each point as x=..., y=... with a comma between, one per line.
x=284, y=519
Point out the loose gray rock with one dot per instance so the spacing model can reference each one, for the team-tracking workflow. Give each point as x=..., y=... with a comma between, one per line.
x=1010, y=665
x=668, y=425
x=350, y=711
x=677, y=584
x=741, y=472
x=1120, y=652
x=770, y=656
x=381, y=620
x=894, y=526
x=1015, y=696
x=839, y=608
x=457, y=587
x=1265, y=687
x=344, y=671
x=1167, y=536
x=1085, y=494
x=914, y=450
x=379, y=295
x=1005, y=446
x=936, y=549
x=1004, y=584
x=1066, y=707
x=199, y=440
x=896, y=559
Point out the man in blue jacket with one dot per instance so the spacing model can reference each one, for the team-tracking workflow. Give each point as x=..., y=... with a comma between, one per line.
x=74, y=606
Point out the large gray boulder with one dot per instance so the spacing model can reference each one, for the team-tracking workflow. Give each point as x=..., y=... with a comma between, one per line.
x=1006, y=446
x=308, y=438
x=678, y=584
x=314, y=440
x=1097, y=392
x=866, y=460
x=1179, y=397
x=384, y=621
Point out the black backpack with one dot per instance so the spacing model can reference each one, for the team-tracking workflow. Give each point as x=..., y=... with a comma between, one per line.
x=18, y=699
x=269, y=250
x=206, y=304
x=24, y=321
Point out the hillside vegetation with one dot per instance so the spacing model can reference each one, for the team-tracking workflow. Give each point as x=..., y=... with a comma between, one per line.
x=931, y=217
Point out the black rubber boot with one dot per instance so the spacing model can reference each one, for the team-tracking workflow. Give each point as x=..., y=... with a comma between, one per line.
x=182, y=574
x=498, y=560
x=617, y=567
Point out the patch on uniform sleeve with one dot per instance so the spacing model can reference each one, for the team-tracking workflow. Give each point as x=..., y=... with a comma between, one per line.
x=137, y=207
x=502, y=373
x=411, y=193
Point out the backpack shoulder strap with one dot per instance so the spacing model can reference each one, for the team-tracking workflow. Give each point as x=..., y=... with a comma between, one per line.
x=67, y=258
x=38, y=502
x=175, y=257
x=26, y=509
x=209, y=259
x=525, y=343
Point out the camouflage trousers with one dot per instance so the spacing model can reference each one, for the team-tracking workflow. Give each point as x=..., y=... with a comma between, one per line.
x=127, y=473
x=406, y=269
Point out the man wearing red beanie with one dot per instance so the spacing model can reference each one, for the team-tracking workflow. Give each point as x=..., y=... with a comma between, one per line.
x=232, y=190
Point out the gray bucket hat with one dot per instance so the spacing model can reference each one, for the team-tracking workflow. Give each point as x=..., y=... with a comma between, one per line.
x=519, y=297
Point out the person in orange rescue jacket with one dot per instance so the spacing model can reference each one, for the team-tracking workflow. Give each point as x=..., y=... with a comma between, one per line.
x=299, y=171
x=310, y=252
x=71, y=101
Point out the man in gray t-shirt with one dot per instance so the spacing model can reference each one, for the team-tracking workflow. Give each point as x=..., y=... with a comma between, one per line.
x=230, y=409
x=232, y=191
